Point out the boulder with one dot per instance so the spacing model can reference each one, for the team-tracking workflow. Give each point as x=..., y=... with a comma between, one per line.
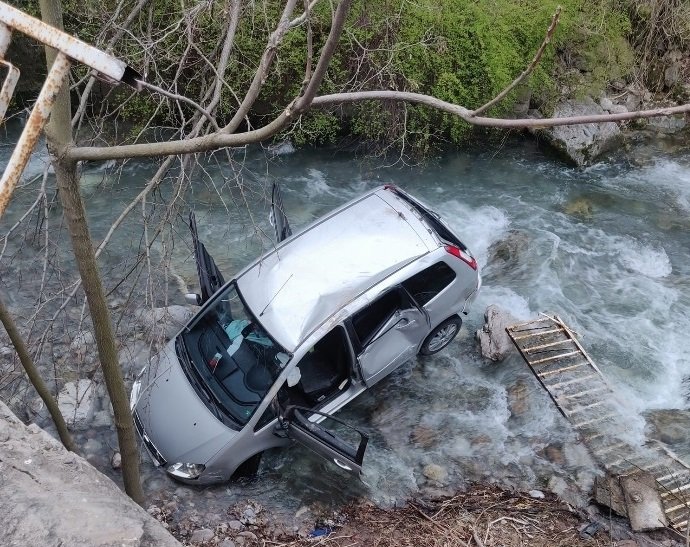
x=435, y=473
x=164, y=322
x=493, y=338
x=81, y=343
x=77, y=402
x=667, y=124
x=54, y=497
x=506, y=253
x=582, y=144
x=202, y=535
x=606, y=103
x=518, y=398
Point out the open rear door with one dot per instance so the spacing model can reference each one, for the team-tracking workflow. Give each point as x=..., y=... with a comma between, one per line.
x=210, y=278
x=345, y=454
x=277, y=216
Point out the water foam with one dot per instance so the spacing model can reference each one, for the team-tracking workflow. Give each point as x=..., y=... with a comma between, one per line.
x=649, y=261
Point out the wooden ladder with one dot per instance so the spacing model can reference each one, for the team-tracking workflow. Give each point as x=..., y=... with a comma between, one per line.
x=583, y=395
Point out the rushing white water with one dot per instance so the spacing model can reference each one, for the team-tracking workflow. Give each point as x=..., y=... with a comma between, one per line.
x=605, y=248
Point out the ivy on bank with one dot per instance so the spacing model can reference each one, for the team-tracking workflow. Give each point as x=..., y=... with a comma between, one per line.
x=463, y=51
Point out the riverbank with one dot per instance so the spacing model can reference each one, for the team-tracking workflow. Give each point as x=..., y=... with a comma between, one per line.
x=482, y=516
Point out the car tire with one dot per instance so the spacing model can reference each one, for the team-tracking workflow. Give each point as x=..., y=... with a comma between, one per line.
x=249, y=468
x=441, y=336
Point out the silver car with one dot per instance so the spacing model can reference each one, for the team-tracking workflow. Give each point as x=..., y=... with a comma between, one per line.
x=301, y=332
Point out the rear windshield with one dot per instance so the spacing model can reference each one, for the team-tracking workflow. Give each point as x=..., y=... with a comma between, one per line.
x=432, y=219
x=234, y=361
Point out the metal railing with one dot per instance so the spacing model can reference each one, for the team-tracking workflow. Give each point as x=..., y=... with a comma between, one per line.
x=69, y=49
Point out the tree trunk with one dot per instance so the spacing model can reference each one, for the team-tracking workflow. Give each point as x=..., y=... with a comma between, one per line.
x=59, y=134
x=35, y=377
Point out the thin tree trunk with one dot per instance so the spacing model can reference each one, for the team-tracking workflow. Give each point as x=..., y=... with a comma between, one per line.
x=35, y=377
x=59, y=135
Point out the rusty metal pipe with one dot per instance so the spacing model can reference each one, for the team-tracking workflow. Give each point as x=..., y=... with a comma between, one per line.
x=7, y=87
x=5, y=39
x=61, y=41
x=34, y=125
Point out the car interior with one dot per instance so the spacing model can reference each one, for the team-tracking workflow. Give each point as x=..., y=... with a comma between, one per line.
x=324, y=370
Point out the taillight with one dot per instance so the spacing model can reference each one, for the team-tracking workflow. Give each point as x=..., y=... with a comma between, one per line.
x=466, y=258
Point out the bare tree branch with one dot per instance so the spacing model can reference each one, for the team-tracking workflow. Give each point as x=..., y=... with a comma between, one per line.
x=182, y=99
x=264, y=65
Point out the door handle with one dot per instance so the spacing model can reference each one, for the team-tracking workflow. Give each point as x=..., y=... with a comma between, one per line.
x=405, y=323
x=342, y=465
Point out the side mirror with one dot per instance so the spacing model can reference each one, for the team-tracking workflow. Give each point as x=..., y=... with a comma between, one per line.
x=193, y=299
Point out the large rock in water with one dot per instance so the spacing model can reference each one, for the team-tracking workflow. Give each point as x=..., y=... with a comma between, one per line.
x=585, y=142
x=493, y=338
x=53, y=497
x=164, y=322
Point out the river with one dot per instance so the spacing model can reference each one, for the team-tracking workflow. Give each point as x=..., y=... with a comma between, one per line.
x=603, y=247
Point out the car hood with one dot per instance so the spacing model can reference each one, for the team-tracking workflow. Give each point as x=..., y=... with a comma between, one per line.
x=174, y=418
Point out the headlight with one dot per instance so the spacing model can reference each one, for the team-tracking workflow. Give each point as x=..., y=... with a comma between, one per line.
x=134, y=396
x=186, y=470
x=136, y=388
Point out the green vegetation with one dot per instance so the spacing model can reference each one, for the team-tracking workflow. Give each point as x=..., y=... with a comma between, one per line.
x=464, y=51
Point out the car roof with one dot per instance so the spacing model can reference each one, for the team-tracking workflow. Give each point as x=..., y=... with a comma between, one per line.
x=315, y=273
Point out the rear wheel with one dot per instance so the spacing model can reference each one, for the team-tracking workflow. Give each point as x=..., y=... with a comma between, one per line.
x=441, y=336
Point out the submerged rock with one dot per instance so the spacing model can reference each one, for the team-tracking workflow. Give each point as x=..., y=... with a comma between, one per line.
x=518, y=398
x=507, y=252
x=493, y=339
x=583, y=143
x=579, y=207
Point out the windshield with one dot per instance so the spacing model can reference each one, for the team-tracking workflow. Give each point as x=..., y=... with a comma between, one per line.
x=233, y=356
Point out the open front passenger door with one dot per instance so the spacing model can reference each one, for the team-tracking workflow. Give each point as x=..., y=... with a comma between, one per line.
x=277, y=217
x=210, y=277
x=344, y=454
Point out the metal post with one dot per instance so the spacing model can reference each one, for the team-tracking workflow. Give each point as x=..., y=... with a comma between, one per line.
x=34, y=126
x=68, y=47
x=5, y=38
x=12, y=71
x=61, y=41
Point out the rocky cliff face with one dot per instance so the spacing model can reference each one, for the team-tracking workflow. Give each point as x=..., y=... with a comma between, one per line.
x=52, y=497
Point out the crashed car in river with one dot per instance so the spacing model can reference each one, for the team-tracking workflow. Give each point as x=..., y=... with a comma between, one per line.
x=301, y=332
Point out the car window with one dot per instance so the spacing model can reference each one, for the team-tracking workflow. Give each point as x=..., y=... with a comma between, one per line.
x=368, y=321
x=425, y=285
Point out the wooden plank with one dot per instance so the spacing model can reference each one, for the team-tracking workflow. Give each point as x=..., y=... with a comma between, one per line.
x=538, y=320
x=675, y=475
x=583, y=393
x=594, y=420
x=676, y=507
x=643, y=503
x=612, y=447
x=545, y=359
x=570, y=382
x=675, y=490
x=564, y=369
x=543, y=333
x=549, y=345
x=581, y=408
